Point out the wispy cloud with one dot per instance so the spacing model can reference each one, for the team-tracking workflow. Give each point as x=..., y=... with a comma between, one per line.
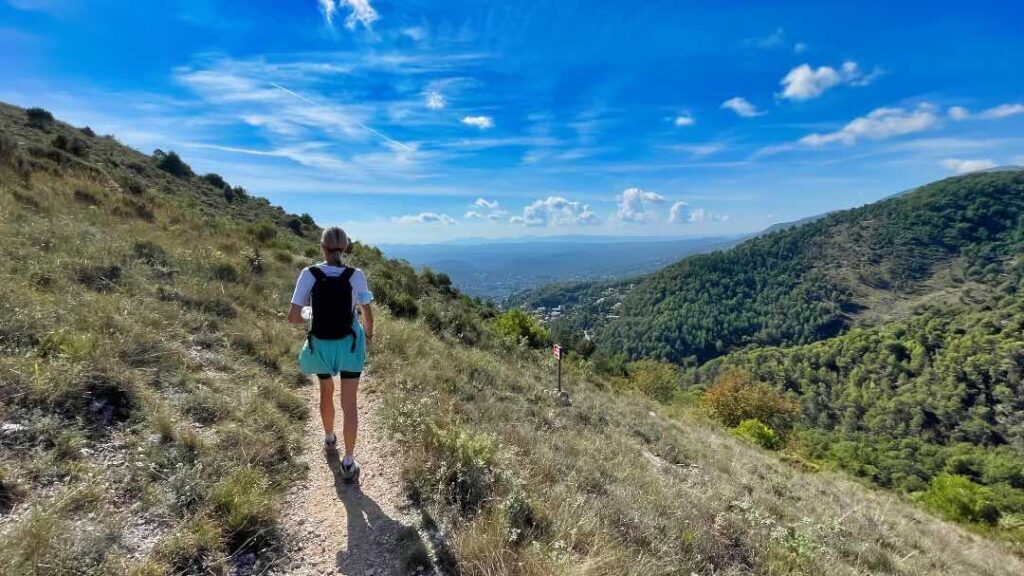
x=960, y=166
x=805, y=82
x=742, y=107
x=556, y=211
x=879, y=124
x=777, y=40
x=481, y=122
x=360, y=12
x=994, y=113
x=434, y=100
x=426, y=218
x=684, y=120
x=635, y=204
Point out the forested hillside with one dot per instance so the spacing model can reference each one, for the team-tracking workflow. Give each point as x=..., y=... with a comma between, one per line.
x=811, y=282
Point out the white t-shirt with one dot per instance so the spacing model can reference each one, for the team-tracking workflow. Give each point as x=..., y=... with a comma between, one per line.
x=304, y=286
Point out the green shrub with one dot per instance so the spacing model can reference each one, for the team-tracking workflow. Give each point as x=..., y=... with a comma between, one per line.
x=216, y=181
x=171, y=163
x=245, y=504
x=264, y=232
x=759, y=433
x=464, y=475
x=656, y=379
x=519, y=326
x=957, y=498
x=735, y=397
x=39, y=118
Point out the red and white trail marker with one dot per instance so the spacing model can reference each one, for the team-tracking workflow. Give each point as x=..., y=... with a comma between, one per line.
x=556, y=350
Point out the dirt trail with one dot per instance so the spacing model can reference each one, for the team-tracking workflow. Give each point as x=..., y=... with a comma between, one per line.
x=355, y=529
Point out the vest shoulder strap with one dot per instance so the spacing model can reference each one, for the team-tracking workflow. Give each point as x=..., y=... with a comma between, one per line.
x=317, y=273
x=347, y=274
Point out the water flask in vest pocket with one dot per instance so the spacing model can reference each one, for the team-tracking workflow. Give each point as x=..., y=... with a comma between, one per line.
x=307, y=315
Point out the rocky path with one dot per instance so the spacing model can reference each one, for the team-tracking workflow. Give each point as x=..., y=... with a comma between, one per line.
x=364, y=529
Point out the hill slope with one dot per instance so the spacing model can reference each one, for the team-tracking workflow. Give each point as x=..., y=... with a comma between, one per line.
x=813, y=281
x=151, y=422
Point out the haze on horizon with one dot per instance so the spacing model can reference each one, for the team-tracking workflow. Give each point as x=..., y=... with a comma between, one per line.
x=430, y=121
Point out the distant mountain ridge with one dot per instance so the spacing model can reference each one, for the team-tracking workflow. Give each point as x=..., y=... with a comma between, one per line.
x=497, y=269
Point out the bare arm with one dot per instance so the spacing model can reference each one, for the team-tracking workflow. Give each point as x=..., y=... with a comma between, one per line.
x=295, y=314
x=366, y=318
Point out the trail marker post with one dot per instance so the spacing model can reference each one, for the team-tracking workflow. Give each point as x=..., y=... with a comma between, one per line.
x=556, y=350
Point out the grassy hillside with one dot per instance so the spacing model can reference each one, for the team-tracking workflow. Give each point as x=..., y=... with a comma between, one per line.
x=811, y=282
x=147, y=403
x=149, y=420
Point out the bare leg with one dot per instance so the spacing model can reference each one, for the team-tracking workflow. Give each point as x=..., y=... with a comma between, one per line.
x=348, y=409
x=327, y=404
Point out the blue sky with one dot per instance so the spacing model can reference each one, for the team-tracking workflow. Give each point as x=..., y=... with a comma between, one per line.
x=421, y=121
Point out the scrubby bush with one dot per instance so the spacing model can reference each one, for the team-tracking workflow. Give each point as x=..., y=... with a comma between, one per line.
x=224, y=271
x=448, y=318
x=150, y=253
x=39, y=118
x=759, y=433
x=263, y=232
x=735, y=397
x=216, y=180
x=100, y=278
x=87, y=131
x=467, y=463
x=74, y=145
x=295, y=225
x=957, y=498
x=519, y=326
x=171, y=163
x=656, y=379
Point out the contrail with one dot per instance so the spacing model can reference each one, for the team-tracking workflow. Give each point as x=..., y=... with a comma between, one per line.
x=377, y=133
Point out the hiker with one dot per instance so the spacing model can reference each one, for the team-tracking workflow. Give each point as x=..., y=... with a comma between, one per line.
x=336, y=342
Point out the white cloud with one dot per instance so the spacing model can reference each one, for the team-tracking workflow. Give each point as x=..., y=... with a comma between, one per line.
x=804, y=82
x=958, y=113
x=415, y=33
x=1002, y=111
x=677, y=212
x=360, y=12
x=742, y=107
x=800, y=48
x=434, y=100
x=879, y=124
x=684, y=120
x=556, y=211
x=481, y=122
x=328, y=9
x=427, y=218
x=633, y=204
x=698, y=215
x=681, y=213
x=959, y=166
x=994, y=113
x=486, y=209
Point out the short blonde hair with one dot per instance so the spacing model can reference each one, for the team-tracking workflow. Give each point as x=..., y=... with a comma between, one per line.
x=335, y=242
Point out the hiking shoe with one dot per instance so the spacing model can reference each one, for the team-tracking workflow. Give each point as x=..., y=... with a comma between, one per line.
x=350, y=471
x=331, y=444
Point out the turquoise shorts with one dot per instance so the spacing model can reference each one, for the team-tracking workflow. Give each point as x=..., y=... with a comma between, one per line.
x=334, y=356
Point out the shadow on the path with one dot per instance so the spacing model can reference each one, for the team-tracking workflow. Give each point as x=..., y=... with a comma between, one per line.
x=375, y=540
